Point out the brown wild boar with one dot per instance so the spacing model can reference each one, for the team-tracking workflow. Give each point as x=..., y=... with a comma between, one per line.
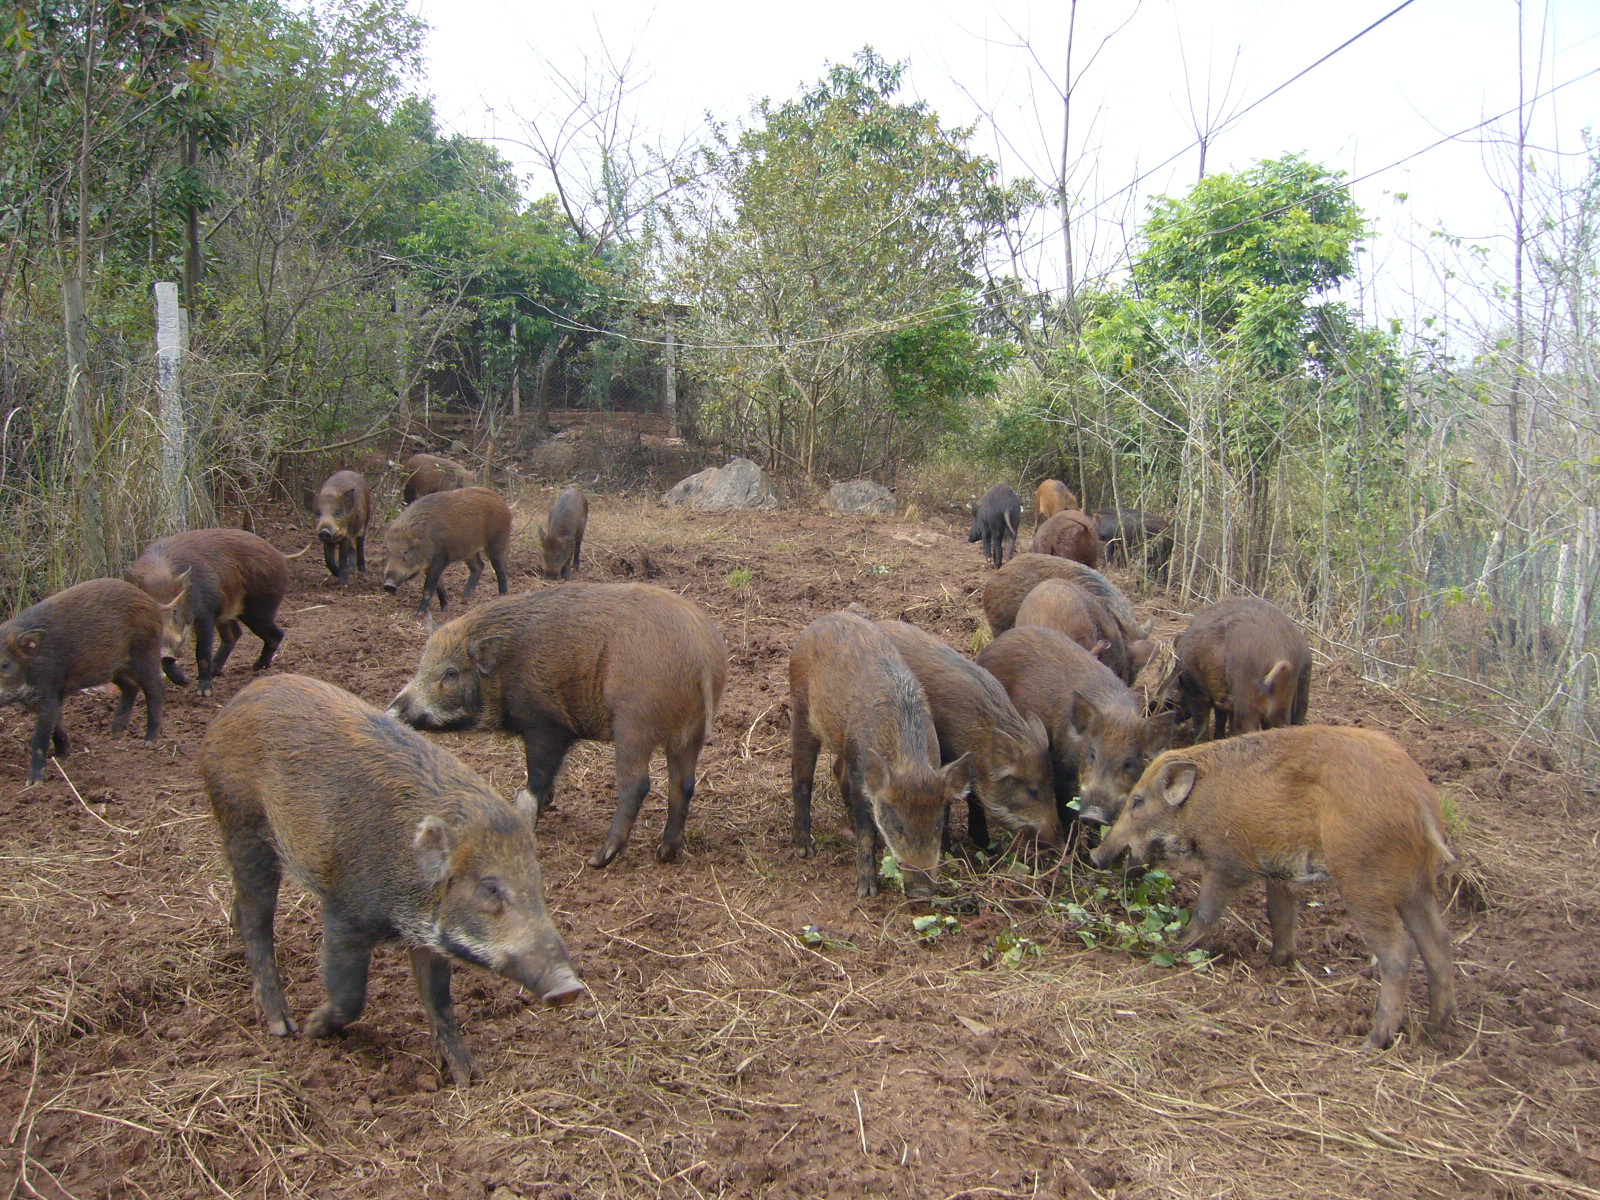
x=1100, y=741
x=222, y=578
x=995, y=523
x=1129, y=533
x=1069, y=534
x=344, y=505
x=1243, y=660
x=1011, y=777
x=101, y=631
x=610, y=662
x=1069, y=609
x=852, y=694
x=1289, y=807
x=464, y=525
x=1052, y=497
x=1006, y=589
x=430, y=473
x=396, y=837
x=562, y=538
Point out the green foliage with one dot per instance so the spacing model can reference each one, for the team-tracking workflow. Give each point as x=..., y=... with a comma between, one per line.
x=829, y=257
x=738, y=578
x=1149, y=923
x=819, y=938
x=933, y=926
x=1010, y=948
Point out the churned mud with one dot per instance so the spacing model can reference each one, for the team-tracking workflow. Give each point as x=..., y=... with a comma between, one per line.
x=754, y=1029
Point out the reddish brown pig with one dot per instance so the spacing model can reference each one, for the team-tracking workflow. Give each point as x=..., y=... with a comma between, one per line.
x=222, y=579
x=1100, y=741
x=1290, y=807
x=397, y=839
x=1008, y=587
x=1243, y=661
x=1083, y=617
x=1052, y=497
x=430, y=473
x=562, y=538
x=1070, y=534
x=464, y=525
x=1011, y=776
x=612, y=662
x=851, y=693
x=102, y=631
x=344, y=505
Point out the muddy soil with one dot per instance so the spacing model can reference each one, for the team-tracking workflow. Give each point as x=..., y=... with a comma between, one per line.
x=754, y=1028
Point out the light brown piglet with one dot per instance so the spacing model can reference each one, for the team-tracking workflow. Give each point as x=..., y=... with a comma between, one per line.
x=1288, y=807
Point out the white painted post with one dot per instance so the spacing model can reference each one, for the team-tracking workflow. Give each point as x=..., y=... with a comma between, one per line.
x=170, y=332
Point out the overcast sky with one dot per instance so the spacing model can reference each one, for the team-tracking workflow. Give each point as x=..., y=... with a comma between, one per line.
x=1432, y=69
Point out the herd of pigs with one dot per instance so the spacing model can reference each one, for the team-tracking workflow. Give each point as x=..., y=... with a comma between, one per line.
x=1042, y=735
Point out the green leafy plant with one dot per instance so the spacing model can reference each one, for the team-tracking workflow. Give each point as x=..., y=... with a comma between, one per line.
x=819, y=938
x=934, y=926
x=1148, y=923
x=1010, y=948
x=738, y=577
x=889, y=868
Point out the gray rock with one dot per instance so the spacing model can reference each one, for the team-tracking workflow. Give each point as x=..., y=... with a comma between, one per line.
x=687, y=489
x=860, y=496
x=740, y=484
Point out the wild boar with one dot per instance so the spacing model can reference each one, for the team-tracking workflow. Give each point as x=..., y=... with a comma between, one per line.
x=1245, y=662
x=430, y=473
x=1295, y=806
x=1083, y=617
x=1052, y=497
x=995, y=523
x=1069, y=534
x=463, y=525
x=1100, y=741
x=396, y=837
x=101, y=631
x=1011, y=777
x=851, y=693
x=344, y=505
x=1130, y=533
x=222, y=579
x=611, y=662
x=1004, y=592
x=562, y=538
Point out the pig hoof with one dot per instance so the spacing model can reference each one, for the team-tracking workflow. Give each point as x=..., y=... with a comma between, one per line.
x=602, y=857
x=1376, y=1041
x=1280, y=960
x=805, y=851
x=283, y=1028
x=152, y=741
x=324, y=1023
x=668, y=853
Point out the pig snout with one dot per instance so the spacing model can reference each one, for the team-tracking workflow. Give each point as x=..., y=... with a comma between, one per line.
x=548, y=974
x=327, y=534
x=560, y=987
x=919, y=883
x=390, y=586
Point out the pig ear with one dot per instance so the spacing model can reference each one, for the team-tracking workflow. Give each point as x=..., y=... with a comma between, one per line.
x=542, y=533
x=1099, y=648
x=1177, y=781
x=1038, y=728
x=528, y=807
x=485, y=652
x=432, y=845
x=875, y=775
x=27, y=644
x=958, y=777
x=1083, y=715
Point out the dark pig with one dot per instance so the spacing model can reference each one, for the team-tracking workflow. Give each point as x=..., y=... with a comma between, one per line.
x=995, y=523
x=1083, y=617
x=1052, y=497
x=1011, y=775
x=1243, y=661
x=1288, y=807
x=223, y=579
x=102, y=631
x=396, y=837
x=1127, y=532
x=1100, y=740
x=344, y=505
x=1069, y=534
x=611, y=662
x=463, y=525
x=430, y=473
x=851, y=693
x=562, y=538
x=1006, y=589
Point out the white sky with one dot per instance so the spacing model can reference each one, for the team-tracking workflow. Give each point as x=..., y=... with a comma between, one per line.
x=1435, y=68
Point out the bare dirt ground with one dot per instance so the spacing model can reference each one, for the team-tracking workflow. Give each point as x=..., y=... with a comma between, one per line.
x=722, y=1053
